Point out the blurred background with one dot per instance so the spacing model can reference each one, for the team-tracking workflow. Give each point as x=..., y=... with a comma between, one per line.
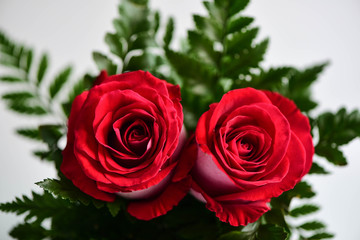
x=302, y=32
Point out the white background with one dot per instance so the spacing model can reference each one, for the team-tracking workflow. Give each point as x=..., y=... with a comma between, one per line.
x=302, y=32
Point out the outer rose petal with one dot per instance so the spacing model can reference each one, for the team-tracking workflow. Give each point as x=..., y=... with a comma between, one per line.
x=299, y=124
x=237, y=212
x=70, y=168
x=170, y=197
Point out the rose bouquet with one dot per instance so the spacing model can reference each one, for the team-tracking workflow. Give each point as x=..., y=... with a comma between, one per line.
x=200, y=142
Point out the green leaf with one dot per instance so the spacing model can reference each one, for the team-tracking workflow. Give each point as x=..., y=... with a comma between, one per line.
x=64, y=189
x=317, y=169
x=271, y=232
x=29, y=58
x=336, y=129
x=139, y=2
x=169, y=31
x=215, y=10
x=31, y=133
x=302, y=190
x=271, y=79
x=304, y=79
x=59, y=81
x=276, y=216
x=332, y=154
x=145, y=62
x=256, y=54
x=303, y=210
x=104, y=63
x=122, y=30
x=80, y=86
x=50, y=134
x=202, y=45
x=115, y=44
x=239, y=41
x=234, y=235
x=208, y=27
x=42, y=154
x=10, y=79
x=18, y=96
x=235, y=6
x=20, y=107
x=238, y=23
x=53, y=154
x=44, y=62
x=29, y=231
x=97, y=203
x=310, y=226
x=189, y=67
x=116, y=206
x=9, y=61
x=39, y=207
x=323, y=235
x=242, y=62
x=142, y=41
x=157, y=21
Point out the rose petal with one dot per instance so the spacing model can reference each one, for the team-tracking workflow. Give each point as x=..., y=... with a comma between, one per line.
x=296, y=157
x=237, y=212
x=69, y=166
x=151, y=208
x=299, y=124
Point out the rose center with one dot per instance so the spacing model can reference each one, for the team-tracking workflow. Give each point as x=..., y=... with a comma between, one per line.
x=131, y=138
x=244, y=147
x=135, y=136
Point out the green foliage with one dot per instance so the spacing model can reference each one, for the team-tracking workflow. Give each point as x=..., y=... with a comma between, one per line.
x=64, y=189
x=18, y=96
x=302, y=190
x=271, y=232
x=31, y=133
x=314, y=225
x=260, y=232
x=37, y=208
x=317, y=169
x=44, y=62
x=303, y=210
x=277, y=216
x=134, y=41
x=104, y=63
x=169, y=32
x=59, y=81
x=234, y=235
x=290, y=82
x=33, y=94
x=27, y=98
x=323, y=235
x=116, y=206
x=335, y=130
x=215, y=55
x=29, y=231
x=80, y=86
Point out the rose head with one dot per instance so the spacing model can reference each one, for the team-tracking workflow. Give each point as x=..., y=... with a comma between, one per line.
x=124, y=136
x=253, y=145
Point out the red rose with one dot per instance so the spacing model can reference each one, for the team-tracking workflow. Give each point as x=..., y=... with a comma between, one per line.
x=124, y=136
x=253, y=145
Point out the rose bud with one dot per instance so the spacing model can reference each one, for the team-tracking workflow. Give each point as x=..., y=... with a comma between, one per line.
x=124, y=138
x=253, y=145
